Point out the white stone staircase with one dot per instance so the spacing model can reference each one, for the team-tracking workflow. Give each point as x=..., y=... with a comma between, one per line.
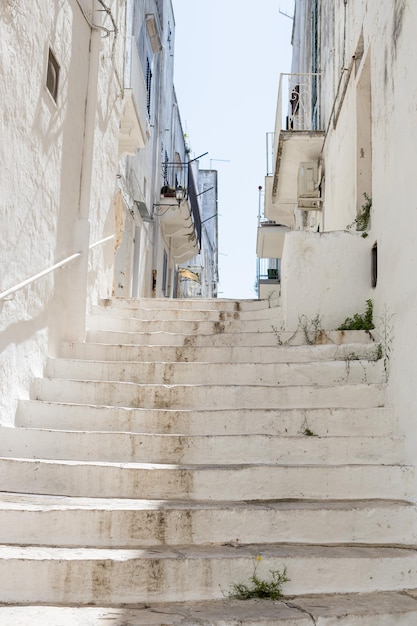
x=183, y=443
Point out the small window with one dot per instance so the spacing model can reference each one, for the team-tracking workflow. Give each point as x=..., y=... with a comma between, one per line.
x=374, y=264
x=52, y=75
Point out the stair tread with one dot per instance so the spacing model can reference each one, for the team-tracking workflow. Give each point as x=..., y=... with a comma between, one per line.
x=158, y=523
x=200, y=467
x=40, y=501
x=216, y=353
x=225, y=551
x=288, y=611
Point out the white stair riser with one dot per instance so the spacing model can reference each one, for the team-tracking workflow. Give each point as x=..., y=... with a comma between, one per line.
x=186, y=327
x=201, y=396
x=94, y=527
x=327, y=373
x=234, y=483
x=220, y=354
x=260, y=338
x=274, y=314
x=206, y=449
x=323, y=422
x=135, y=579
x=188, y=304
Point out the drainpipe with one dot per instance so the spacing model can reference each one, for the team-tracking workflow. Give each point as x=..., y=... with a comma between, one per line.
x=73, y=286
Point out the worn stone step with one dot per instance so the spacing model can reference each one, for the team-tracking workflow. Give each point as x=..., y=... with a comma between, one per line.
x=193, y=304
x=221, y=354
x=323, y=422
x=99, y=522
x=112, y=393
x=257, y=338
x=205, y=482
x=188, y=573
x=181, y=326
x=281, y=374
x=191, y=449
x=359, y=609
x=273, y=313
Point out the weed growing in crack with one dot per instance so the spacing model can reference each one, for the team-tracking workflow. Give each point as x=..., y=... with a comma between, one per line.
x=360, y=321
x=306, y=430
x=277, y=332
x=258, y=588
x=384, y=334
x=312, y=330
x=361, y=221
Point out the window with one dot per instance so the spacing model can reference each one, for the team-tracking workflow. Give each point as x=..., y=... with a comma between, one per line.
x=374, y=264
x=52, y=75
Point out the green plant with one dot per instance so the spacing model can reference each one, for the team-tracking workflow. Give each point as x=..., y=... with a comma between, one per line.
x=258, y=588
x=384, y=334
x=277, y=334
x=363, y=217
x=312, y=329
x=306, y=430
x=270, y=297
x=360, y=321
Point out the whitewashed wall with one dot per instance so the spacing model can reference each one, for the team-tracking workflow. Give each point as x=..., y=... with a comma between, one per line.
x=326, y=275
x=56, y=162
x=386, y=32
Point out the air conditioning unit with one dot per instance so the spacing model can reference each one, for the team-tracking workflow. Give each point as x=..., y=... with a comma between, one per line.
x=308, y=192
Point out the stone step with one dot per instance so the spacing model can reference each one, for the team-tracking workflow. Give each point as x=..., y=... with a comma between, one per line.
x=112, y=393
x=188, y=573
x=260, y=338
x=275, y=374
x=361, y=609
x=193, y=304
x=205, y=482
x=186, y=327
x=221, y=354
x=115, y=447
x=323, y=422
x=273, y=313
x=99, y=522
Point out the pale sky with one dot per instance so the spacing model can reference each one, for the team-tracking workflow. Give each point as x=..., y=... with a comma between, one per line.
x=228, y=59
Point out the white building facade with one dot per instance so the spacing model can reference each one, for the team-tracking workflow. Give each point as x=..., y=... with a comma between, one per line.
x=199, y=276
x=97, y=195
x=343, y=181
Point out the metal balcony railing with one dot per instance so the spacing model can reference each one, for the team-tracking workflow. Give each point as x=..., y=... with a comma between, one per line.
x=193, y=199
x=269, y=269
x=298, y=102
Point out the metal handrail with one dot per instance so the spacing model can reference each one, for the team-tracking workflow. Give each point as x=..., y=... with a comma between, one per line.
x=54, y=267
x=32, y=279
x=98, y=243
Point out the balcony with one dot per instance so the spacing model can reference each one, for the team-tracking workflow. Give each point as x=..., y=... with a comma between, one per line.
x=179, y=215
x=134, y=124
x=270, y=240
x=298, y=139
x=268, y=277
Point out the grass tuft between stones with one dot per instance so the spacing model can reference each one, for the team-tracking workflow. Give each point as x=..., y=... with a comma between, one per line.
x=258, y=588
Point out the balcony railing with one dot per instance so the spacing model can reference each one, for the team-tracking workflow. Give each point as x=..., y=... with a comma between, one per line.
x=269, y=269
x=298, y=102
x=193, y=199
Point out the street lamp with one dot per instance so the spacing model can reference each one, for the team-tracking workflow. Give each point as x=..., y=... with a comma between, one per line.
x=179, y=194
